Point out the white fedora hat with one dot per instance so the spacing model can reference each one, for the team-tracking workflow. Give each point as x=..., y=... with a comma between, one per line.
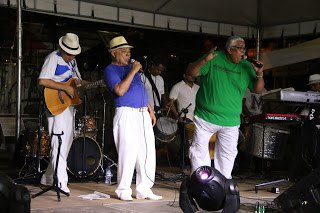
x=315, y=78
x=70, y=44
x=118, y=42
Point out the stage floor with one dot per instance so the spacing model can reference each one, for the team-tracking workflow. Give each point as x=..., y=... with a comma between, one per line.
x=243, y=174
x=48, y=202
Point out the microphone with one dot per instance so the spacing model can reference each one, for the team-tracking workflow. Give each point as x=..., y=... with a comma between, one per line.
x=132, y=60
x=184, y=110
x=251, y=60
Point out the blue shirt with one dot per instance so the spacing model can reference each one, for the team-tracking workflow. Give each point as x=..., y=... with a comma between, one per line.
x=135, y=97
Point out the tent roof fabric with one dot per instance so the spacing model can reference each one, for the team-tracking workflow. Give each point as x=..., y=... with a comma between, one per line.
x=302, y=52
x=272, y=12
x=275, y=18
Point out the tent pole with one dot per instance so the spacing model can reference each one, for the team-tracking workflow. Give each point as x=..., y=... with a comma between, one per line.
x=258, y=43
x=258, y=28
x=19, y=57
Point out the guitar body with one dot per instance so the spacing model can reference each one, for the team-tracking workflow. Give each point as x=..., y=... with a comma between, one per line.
x=57, y=101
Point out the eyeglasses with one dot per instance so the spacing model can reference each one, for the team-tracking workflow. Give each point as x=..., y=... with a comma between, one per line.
x=124, y=50
x=239, y=48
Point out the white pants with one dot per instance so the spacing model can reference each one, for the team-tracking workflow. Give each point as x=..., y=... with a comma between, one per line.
x=57, y=124
x=135, y=144
x=225, y=146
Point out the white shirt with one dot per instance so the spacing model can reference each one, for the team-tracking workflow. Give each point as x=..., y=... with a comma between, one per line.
x=184, y=95
x=254, y=102
x=158, y=81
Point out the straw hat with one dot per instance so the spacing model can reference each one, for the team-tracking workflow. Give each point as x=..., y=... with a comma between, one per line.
x=118, y=42
x=315, y=78
x=70, y=44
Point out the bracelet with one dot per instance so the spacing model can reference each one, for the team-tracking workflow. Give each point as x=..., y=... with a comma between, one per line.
x=260, y=76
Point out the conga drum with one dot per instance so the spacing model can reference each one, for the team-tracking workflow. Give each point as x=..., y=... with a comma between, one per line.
x=189, y=128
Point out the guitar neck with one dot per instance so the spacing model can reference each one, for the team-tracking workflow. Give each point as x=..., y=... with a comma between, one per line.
x=94, y=84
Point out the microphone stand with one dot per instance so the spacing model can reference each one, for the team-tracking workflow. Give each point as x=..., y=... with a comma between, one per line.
x=183, y=113
x=184, y=121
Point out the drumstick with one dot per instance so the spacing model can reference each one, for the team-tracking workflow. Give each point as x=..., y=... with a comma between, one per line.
x=169, y=109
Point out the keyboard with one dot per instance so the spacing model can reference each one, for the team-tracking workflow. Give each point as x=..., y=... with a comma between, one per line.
x=293, y=96
x=275, y=117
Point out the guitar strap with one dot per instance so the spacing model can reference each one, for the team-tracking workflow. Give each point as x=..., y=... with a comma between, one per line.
x=75, y=68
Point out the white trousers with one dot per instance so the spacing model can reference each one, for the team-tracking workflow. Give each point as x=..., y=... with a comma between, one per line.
x=135, y=144
x=57, y=124
x=225, y=146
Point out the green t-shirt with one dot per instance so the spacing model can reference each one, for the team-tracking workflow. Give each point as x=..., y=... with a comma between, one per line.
x=223, y=85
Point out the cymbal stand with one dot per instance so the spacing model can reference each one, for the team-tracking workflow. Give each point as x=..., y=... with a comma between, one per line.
x=82, y=173
x=103, y=137
x=55, y=184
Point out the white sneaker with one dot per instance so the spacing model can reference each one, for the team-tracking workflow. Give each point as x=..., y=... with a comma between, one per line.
x=45, y=181
x=149, y=196
x=64, y=187
x=126, y=198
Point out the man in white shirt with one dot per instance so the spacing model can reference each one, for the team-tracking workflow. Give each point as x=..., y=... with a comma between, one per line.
x=156, y=92
x=314, y=83
x=182, y=96
x=184, y=93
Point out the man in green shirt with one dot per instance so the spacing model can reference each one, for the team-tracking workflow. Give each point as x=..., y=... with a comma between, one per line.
x=225, y=76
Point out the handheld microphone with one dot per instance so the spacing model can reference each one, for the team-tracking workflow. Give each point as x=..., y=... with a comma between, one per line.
x=251, y=60
x=132, y=61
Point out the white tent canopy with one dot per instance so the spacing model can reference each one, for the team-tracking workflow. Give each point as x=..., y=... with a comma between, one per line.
x=302, y=52
x=276, y=18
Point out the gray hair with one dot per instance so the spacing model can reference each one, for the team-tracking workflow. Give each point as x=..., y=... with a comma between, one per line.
x=232, y=40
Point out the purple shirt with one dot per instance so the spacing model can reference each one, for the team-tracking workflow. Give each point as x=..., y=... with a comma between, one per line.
x=135, y=97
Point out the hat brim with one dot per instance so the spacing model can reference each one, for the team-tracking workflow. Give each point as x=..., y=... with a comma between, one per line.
x=313, y=82
x=124, y=46
x=67, y=50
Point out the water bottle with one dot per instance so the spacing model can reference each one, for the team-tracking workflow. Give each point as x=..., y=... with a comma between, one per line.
x=108, y=175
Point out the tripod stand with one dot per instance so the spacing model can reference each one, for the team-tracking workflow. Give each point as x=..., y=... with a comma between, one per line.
x=55, y=184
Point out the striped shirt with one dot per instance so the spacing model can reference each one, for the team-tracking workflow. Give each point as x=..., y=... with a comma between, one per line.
x=57, y=69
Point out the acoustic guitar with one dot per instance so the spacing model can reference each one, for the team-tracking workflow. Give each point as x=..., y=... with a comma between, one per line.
x=57, y=100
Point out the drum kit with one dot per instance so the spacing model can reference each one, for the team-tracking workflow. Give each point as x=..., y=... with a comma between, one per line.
x=85, y=157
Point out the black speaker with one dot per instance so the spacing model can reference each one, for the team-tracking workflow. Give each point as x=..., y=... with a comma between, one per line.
x=14, y=198
x=302, y=197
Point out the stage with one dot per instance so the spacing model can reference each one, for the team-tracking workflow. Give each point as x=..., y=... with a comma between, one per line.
x=169, y=189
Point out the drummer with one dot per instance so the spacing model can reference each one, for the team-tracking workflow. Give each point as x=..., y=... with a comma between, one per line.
x=181, y=96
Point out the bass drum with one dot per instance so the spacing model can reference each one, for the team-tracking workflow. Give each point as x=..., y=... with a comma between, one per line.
x=84, y=157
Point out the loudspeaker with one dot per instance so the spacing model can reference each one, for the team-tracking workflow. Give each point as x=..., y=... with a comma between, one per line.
x=302, y=197
x=14, y=198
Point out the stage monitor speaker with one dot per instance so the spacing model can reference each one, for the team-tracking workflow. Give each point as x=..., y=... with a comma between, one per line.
x=14, y=198
x=302, y=197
